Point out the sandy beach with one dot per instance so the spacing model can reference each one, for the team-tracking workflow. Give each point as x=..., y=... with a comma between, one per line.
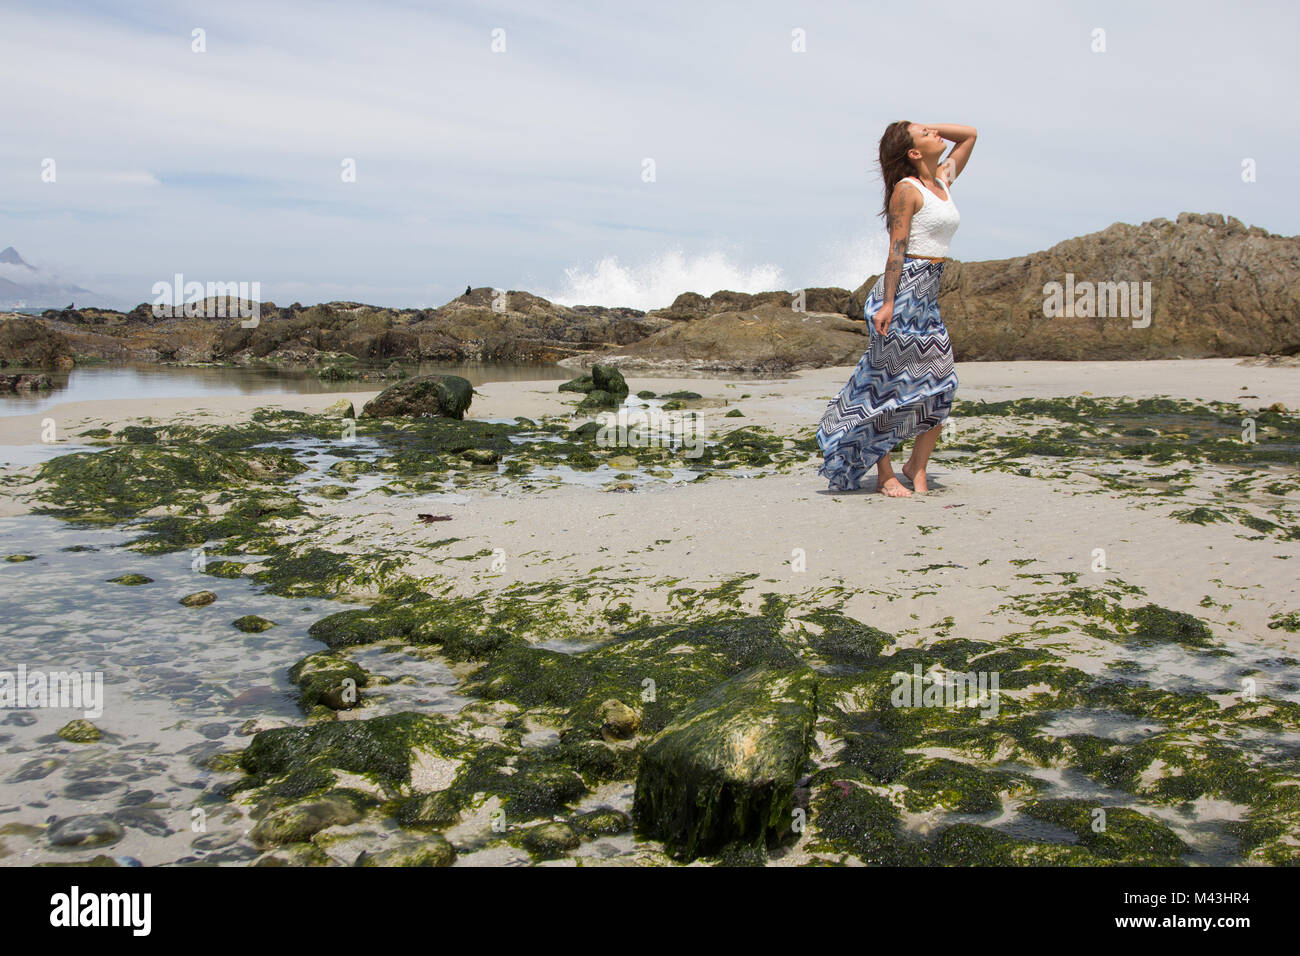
x=978, y=559
x=858, y=539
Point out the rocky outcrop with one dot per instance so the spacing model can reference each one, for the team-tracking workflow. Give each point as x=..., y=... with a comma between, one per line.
x=1217, y=287
x=605, y=387
x=692, y=305
x=26, y=382
x=30, y=343
x=437, y=396
x=482, y=325
x=725, y=770
x=769, y=337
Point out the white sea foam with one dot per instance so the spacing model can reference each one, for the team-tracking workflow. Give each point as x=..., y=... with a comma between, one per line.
x=654, y=283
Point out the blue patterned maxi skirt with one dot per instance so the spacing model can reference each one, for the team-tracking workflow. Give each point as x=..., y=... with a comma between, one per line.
x=904, y=383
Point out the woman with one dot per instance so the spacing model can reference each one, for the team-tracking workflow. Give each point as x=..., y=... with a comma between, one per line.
x=904, y=384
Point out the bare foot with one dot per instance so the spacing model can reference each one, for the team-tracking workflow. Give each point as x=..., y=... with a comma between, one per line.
x=918, y=479
x=893, y=487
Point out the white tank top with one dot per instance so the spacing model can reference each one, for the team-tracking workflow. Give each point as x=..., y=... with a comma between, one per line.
x=933, y=224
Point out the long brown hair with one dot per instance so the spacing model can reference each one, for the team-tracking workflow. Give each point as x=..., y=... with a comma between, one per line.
x=894, y=162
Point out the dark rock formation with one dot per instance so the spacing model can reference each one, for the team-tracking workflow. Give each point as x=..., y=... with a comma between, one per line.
x=766, y=338
x=725, y=770
x=30, y=343
x=605, y=387
x=438, y=396
x=1218, y=289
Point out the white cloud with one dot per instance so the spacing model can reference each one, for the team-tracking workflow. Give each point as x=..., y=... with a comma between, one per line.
x=523, y=169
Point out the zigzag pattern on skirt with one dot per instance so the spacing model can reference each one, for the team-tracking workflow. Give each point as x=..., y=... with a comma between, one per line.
x=903, y=385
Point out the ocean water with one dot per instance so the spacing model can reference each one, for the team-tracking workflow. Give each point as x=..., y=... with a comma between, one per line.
x=109, y=383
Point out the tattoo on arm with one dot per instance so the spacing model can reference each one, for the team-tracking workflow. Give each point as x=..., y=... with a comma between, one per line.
x=894, y=268
x=898, y=224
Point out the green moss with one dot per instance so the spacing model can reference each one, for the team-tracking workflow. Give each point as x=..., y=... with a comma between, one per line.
x=844, y=642
x=856, y=821
x=959, y=787
x=967, y=844
x=378, y=748
x=131, y=580
x=1122, y=834
x=252, y=624
x=122, y=482
x=327, y=679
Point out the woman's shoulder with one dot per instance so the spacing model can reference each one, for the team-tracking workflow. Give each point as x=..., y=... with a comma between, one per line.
x=913, y=195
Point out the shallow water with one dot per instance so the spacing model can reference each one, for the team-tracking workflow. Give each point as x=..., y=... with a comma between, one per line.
x=109, y=383
x=178, y=683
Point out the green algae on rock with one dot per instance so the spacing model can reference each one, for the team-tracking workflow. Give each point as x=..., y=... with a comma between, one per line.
x=80, y=732
x=119, y=483
x=131, y=580
x=301, y=821
x=325, y=678
x=199, y=599
x=725, y=770
x=605, y=387
x=252, y=624
x=432, y=850
x=443, y=396
x=304, y=760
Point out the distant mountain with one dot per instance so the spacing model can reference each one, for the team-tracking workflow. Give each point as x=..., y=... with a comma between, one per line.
x=11, y=257
x=22, y=285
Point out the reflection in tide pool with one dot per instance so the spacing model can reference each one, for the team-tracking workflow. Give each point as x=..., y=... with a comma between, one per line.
x=107, y=383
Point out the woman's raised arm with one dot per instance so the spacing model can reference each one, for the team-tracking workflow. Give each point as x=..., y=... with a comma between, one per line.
x=964, y=138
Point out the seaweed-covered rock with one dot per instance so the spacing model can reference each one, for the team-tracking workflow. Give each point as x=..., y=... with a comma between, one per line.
x=609, y=379
x=481, y=457
x=433, y=850
x=599, y=398
x=438, y=396
x=299, y=822
x=328, y=679
x=252, y=624
x=125, y=480
x=725, y=770
x=294, y=854
x=583, y=383
x=550, y=840
x=80, y=731
x=304, y=759
x=456, y=625
x=604, y=388
x=618, y=720
x=603, y=821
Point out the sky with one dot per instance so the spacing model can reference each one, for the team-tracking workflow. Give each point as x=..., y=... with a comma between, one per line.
x=509, y=144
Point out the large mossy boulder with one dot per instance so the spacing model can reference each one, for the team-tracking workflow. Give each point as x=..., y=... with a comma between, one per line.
x=31, y=343
x=428, y=396
x=603, y=388
x=725, y=770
